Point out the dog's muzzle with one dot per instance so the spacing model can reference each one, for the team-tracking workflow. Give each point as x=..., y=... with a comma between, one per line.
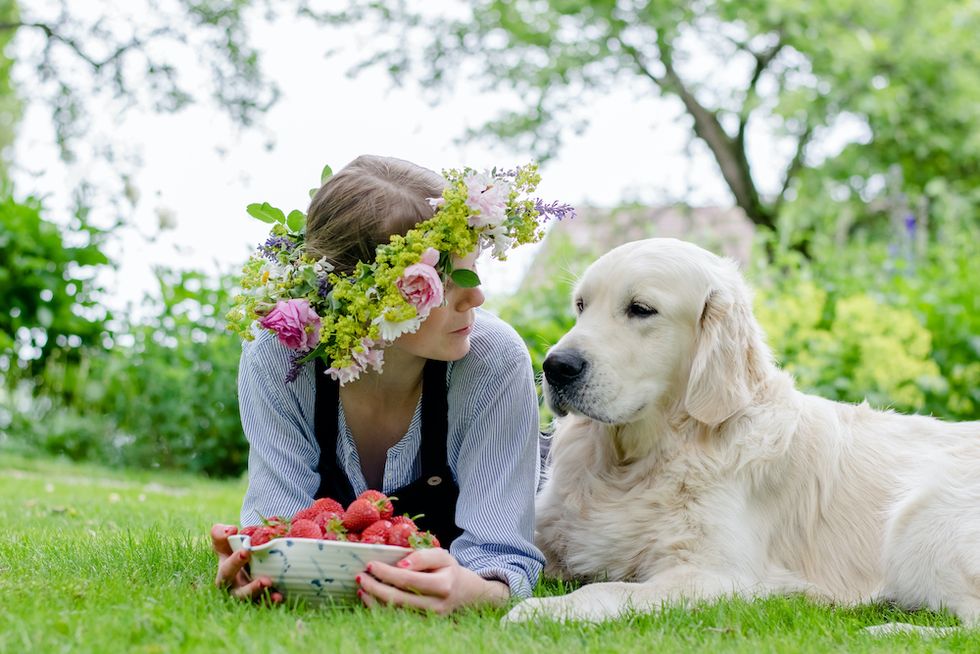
x=563, y=368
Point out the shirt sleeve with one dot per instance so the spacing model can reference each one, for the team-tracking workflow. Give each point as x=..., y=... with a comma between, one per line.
x=497, y=472
x=276, y=418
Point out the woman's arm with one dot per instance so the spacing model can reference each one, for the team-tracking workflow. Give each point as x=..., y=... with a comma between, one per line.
x=277, y=419
x=282, y=456
x=497, y=470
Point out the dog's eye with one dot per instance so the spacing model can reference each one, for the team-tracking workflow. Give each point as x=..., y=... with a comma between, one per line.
x=637, y=310
x=579, y=306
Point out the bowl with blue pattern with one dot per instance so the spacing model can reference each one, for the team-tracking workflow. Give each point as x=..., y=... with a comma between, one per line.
x=314, y=570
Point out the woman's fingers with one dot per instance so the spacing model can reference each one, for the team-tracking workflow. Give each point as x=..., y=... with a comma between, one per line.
x=219, y=538
x=230, y=568
x=252, y=590
x=427, y=559
x=419, y=583
x=373, y=592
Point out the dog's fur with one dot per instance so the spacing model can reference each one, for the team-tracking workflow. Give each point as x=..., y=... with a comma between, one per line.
x=690, y=468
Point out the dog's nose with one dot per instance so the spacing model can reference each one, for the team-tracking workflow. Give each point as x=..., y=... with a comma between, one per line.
x=561, y=368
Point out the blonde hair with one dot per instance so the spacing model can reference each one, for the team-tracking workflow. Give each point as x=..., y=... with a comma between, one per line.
x=364, y=204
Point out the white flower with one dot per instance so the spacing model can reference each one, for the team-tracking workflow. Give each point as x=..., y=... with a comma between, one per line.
x=322, y=267
x=275, y=269
x=369, y=358
x=392, y=330
x=487, y=196
x=498, y=238
x=344, y=375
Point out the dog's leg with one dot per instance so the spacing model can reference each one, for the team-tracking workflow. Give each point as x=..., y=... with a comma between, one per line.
x=606, y=601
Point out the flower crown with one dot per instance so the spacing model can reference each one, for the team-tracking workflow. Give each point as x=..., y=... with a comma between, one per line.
x=347, y=319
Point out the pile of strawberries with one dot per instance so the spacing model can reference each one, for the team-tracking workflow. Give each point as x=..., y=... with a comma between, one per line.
x=368, y=519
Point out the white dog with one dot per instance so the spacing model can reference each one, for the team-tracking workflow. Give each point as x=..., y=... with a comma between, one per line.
x=691, y=469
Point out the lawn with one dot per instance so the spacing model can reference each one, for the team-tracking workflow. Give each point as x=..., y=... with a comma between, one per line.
x=99, y=560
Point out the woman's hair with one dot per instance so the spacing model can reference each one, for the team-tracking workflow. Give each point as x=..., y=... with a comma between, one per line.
x=364, y=204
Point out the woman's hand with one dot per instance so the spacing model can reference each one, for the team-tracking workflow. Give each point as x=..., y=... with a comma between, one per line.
x=428, y=580
x=231, y=568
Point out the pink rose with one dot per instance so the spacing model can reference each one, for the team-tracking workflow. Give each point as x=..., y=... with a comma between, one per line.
x=421, y=285
x=295, y=323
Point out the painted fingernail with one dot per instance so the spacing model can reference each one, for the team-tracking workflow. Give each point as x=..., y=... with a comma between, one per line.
x=357, y=579
x=243, y=555
x=403, y=564
x=229, y=530
x=368, y=568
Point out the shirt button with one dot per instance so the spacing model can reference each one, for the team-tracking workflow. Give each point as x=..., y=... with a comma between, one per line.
x=434, y=480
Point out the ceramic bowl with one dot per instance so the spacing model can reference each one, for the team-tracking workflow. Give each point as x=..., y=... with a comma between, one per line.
x=314, y=570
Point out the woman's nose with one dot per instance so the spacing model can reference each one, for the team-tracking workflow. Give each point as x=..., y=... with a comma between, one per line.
x=469, y=298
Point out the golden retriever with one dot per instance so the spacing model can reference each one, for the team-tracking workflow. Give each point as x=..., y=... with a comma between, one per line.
x=686, y=465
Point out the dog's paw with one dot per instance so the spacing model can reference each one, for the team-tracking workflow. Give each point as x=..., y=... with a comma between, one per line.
x=538, y=608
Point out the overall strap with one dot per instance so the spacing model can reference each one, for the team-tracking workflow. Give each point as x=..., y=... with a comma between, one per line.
x=435, y=419
x=333, y=480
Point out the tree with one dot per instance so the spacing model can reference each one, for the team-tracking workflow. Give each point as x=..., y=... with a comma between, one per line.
x=738, y=68
x=144, y=53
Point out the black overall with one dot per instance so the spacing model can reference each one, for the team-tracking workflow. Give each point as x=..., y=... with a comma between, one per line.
x=434, y=494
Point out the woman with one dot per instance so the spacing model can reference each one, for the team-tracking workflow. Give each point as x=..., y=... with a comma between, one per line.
x=449, y=428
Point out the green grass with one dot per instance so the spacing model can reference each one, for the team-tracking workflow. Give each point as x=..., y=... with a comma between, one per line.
x=98, y=560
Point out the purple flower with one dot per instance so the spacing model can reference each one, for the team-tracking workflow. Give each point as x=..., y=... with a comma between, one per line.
x=910, y=225
x=554, y=210
x=294, y=366
x=274, y=245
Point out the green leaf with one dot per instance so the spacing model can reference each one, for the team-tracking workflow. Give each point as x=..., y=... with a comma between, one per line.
x=325, y=175
x=465, y=278
x=295, y=220
x=314, y=353
x=266, y=212
x=313, y=192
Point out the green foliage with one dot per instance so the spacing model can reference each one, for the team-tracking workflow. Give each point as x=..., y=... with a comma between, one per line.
x=164, y=394
x=50, y=301
x=902, y=77
x=894, y=322
x=912, y=276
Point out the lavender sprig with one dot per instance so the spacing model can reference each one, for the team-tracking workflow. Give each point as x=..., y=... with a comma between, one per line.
x=554, y=210
x=274, y=245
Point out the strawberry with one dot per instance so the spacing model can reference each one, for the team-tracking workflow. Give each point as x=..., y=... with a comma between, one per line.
x=351, y=537
x=322, y=505
x=380, y=500
x=400, y=533
x=331, y=524
x=423, y=540
x=377, y=533
x=248, y=531
x=360, y=514
x=263, y=535
x=404, y=519
x=305, y=529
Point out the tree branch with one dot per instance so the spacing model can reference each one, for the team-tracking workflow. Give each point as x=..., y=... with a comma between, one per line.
x=729, y=153
x=794, y=167
x=52, y=35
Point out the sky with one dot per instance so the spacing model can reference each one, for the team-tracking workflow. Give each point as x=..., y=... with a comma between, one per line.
x=199, y=172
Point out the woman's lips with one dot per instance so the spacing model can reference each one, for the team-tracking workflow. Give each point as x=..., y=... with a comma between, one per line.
x=464, y=330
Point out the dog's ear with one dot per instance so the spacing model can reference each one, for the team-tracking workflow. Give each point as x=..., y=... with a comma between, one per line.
x=728, y=360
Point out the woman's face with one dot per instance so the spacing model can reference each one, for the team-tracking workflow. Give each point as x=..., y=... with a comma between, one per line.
x=445, y=334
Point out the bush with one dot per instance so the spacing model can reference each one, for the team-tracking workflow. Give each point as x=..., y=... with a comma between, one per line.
x=163, y=394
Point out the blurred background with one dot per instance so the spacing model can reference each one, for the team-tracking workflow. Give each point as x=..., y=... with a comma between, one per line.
x=832, y=147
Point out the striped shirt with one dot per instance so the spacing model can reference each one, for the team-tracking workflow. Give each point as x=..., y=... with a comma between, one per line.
x=492, y=447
